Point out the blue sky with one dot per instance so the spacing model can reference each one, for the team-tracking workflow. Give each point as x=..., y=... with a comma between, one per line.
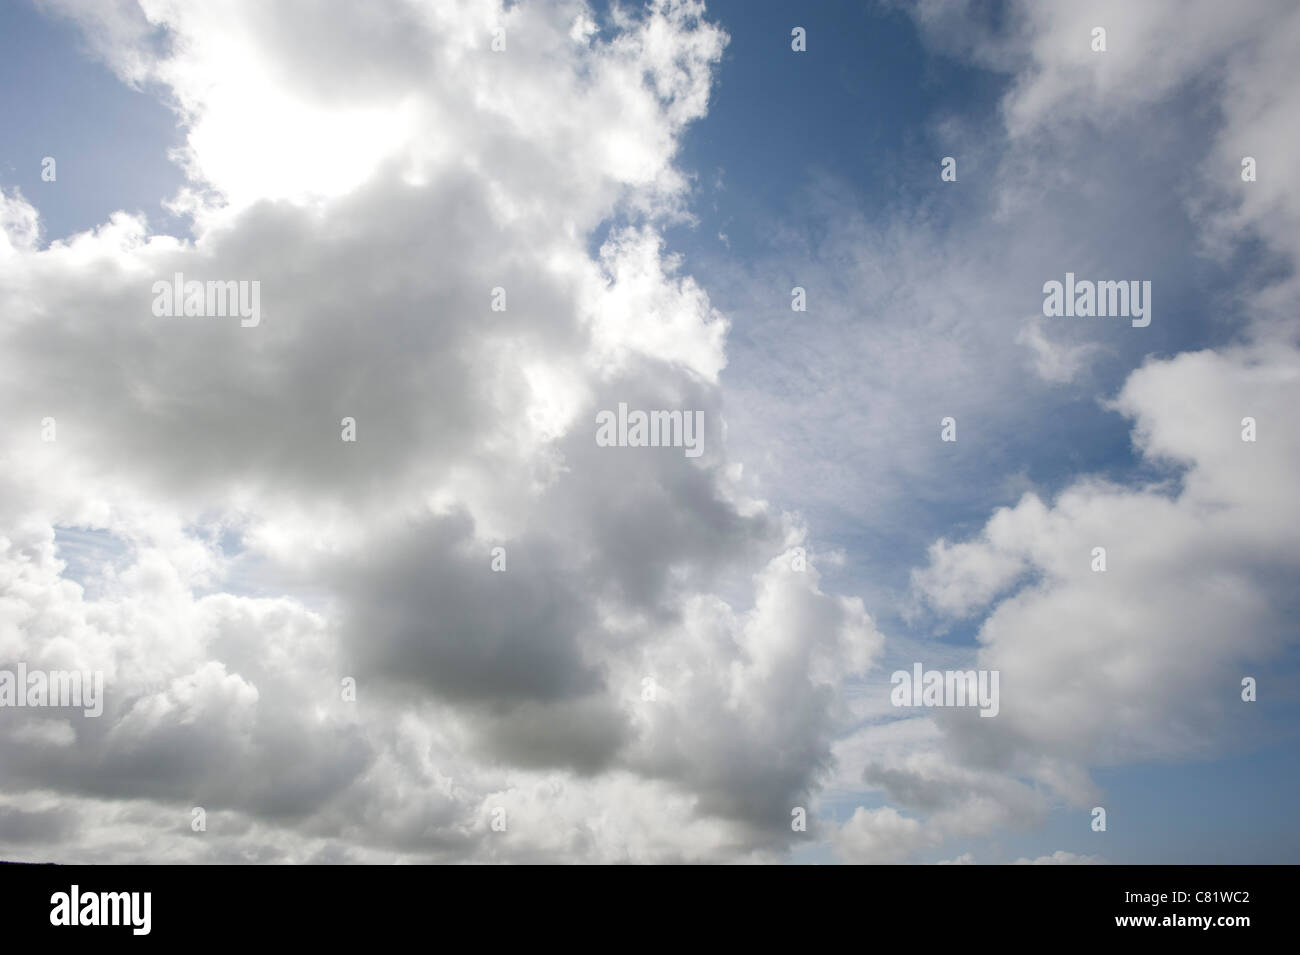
x=110, y=142
x=817, y=169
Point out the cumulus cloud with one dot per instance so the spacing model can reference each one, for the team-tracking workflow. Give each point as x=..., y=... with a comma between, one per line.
x=881, y=836
x=380, y=172
x=1145, y=659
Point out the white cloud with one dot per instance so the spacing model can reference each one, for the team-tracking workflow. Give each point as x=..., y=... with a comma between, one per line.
x=380, y=171
x=880, y=837
x=1061, y=857
x=1052, y=361
x=1145, y=659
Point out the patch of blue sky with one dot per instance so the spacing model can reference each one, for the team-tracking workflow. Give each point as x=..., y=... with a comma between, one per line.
x=110, y=143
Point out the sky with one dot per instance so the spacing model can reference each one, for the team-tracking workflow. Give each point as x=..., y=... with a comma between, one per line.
x=365, y=582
